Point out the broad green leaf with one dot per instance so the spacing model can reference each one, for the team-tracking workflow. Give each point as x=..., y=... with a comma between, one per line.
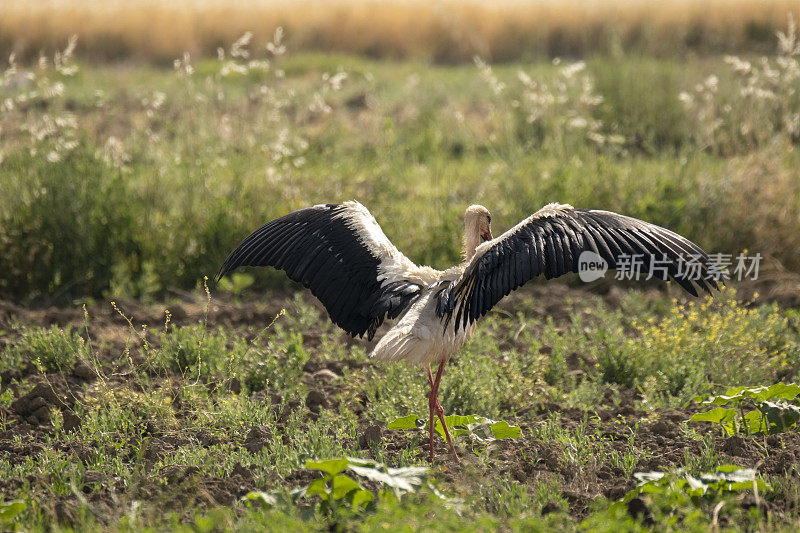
x=406, y=422
x=774, y=415
x=10, y=509
x=780, y=391
x=737, y=475
x=719, y=415
x=458, y=424
x=502, y=430
x=463, y=420
x=360, y=497
x=733, y=478
x=329, y=466
x=402, y=480
x=653, y=488
x=740, y=486
x=646, y=477
x=318, y=487
x=679, y=485
x=780, y=415
x=735, y=393
x=482, y=428
x=726, y=469
x=617, y=510
x=342, y=485
x=337, y=486
x=762, y=485
x=264, y=499
x=753, y=423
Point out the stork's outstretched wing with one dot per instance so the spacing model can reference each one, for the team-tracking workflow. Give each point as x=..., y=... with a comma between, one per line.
x=339, y=252
x=551, y=241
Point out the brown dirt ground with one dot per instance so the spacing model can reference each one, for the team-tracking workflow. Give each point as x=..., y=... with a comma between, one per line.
x=525, y=460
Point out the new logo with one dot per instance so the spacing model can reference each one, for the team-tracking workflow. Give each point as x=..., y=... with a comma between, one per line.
x=591, y=266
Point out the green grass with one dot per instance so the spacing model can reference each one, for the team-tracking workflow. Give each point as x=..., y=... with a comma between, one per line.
x=145, y=179
x=162, y=425
x=132, y=183
x=50, y=349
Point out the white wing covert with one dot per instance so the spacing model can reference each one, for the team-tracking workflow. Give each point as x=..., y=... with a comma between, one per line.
x=341, y=254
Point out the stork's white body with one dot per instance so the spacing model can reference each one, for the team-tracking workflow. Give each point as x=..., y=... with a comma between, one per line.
x=419, y=336
x=340, y=252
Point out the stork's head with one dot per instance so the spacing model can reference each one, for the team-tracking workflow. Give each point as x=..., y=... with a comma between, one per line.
x=477, y=228
x=478, y=220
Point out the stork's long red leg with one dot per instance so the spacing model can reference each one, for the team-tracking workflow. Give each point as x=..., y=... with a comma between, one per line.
x=432, y=406
x=433, y=402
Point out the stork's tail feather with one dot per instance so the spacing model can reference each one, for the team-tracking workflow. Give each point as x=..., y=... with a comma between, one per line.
x=401, y=344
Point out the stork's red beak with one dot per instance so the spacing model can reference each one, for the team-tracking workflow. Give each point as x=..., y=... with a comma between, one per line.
x=487, y=236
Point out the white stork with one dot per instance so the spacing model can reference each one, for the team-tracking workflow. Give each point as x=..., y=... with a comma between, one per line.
x=340, y=252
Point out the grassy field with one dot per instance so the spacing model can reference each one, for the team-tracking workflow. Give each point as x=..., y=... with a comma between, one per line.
x=134, y=181
x=203, y=418
x=134, y=397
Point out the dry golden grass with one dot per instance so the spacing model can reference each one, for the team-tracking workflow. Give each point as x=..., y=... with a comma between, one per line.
x=447, y=30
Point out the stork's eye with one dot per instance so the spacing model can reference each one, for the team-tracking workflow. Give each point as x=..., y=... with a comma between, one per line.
x=489, y=218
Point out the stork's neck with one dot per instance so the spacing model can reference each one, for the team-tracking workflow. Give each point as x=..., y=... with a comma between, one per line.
x=472, y=238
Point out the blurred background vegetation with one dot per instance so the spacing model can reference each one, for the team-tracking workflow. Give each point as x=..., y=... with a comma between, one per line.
x=123, y=174
x=445, y=31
